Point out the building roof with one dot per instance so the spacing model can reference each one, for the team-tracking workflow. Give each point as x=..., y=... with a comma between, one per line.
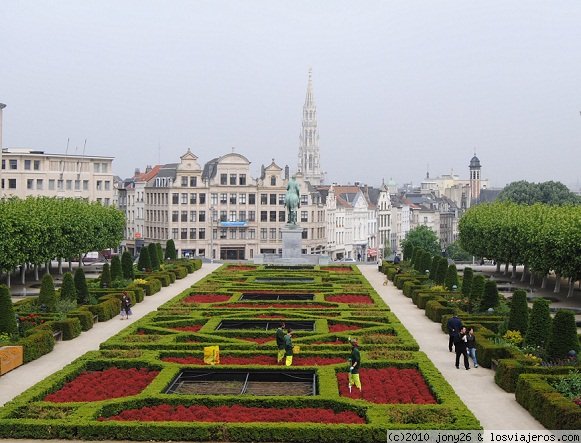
x=474, y=162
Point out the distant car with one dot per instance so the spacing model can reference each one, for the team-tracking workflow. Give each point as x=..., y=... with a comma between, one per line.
x=348, y=260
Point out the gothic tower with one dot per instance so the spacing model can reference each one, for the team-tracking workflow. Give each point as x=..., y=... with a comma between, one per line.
x=309, y=156
x=474, y=178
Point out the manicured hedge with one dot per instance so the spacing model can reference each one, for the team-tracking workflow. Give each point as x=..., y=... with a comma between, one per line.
x=509, y=370
x=36, y=345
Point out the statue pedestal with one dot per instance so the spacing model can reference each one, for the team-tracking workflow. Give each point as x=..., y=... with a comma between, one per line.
x=291, y=241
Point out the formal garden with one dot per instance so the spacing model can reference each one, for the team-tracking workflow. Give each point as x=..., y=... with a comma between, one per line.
x=156, y=380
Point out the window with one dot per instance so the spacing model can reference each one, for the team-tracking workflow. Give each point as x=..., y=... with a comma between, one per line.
x=107, y=201
x=304, y=199
x=242, y=179
x=184, y=217
x=184, y=234
x=242, y=234
x=39, y=183
x=51, y=185
x=184, y=181
x=273, y=233
x=193, y=198
x=13, y=164
x=85, y=185
x=233, y=199
x=107, y=185
x=304, y=234
x=174, y=233
x=37, y=165
x=174, y=216
x=59, y=185
x=232, y=216
x=242, y=216
x=223, y=198
x=281, y=199
x=99, y=185
x=223, y=233
x=304, y=216
x=214, y=198
x=27, y=164
x=184, y=198
x=263, y=216
x=263, y=234
x=252, y=234
x=202, y=217
x=233, y=178
x=193, y=216
x=215, y=234
x=175, y=198
x=3, y=164
x=251, y=216
x=104, y=167
x=272, y=199
x=263, y=199
x=96, y=167
x=77, y=185
x=193, y=232
x=281, y=216
x=242, y=199
x=272, y=180
x=202, y=233
x=252, y=199
x=223, y=216
x=272, y=217
x=11, y=183
x=193, y=182
x=223, y=179
x=233, y=234
x=202, y=199
x=29, y=183
x=69, y=185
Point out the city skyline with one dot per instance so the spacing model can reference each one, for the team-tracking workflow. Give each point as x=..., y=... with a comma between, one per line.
x=400, y=89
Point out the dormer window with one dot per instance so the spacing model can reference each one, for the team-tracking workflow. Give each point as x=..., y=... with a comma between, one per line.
x=272, y=180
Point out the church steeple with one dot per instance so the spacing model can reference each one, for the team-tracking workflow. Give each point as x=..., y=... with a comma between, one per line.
x=309, y=156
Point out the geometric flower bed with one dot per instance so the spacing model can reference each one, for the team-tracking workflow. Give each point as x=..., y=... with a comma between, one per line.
x=401, y=388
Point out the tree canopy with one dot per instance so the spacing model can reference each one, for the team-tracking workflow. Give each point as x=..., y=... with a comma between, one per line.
x=424, y=238
x=526, y=193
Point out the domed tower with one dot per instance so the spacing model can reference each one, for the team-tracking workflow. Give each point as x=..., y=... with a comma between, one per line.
x=475, y=178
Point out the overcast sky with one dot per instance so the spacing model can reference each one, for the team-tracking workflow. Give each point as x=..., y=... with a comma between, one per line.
x=399, y=85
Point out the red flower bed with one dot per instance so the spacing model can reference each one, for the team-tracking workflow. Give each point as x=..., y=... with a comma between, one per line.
x=102, y=385
x=270, y=316
x=259, y=340
x=350, y=298
x=235, y=413
x=340, y=327
x=206, y=298
x=337, y=269
x=388, y=385
x=190, y=328
x=241, y=268
x=264, y=360
x=334, y=342
x=275, y=306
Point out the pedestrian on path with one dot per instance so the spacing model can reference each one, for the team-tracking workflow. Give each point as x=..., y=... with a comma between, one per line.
x=454, y=324
x=355, y=364
x=460, y=342
x=471, y=345
x=280, y=342
x=125, y=307
x=288, y=347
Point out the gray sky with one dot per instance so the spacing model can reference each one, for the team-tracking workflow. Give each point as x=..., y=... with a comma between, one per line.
x=398, y=84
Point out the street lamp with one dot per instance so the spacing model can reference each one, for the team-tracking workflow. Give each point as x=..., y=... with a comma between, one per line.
x=212, y=209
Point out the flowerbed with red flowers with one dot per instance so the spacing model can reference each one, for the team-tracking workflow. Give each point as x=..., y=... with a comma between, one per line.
x=236, y=414
x=240, y=268
x=189, y=328
x=259, y=340
x=388, y=385
x=340, y=327
x=262, y=360
x=276, y=306
x=102, y=385
x=206, y=298
x=350, y=298
x=336, y=269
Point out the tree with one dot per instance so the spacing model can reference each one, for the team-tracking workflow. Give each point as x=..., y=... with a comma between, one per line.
x=526, y=193
x=451, y=277
x=47, y=296
x=170, y=249
x=457, y=253
x=116, y=271
x=476, y=291
x=81, y=286
x=518, y=319
x=144, y=263
x=490, y=298
x=68, y=290
x=153, y=257
x=426, y=262
x=408, y=251
x=8, y=323
x=563, y=336
x=441, y=272
x=467, y=277
x=423, y=237
x=434, y=266
x=106, y=276
x=539, y=327
x=127, y=265
x=159, y=253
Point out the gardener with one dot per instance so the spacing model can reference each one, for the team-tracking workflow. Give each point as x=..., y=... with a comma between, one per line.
x=280, y=342
x=288, y=347
x=355, y=364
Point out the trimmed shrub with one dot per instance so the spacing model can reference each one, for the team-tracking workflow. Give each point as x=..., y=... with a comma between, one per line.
x=426, y=262
x=476, y=291
x=105, y=277
x=144, y=262
x=107, y=309
x=47, y=296
x=451, y=277
x=85, y=318
x=70, y=327
x=116, y=271
x=490, y=298
x=539, y=327
x=153, y=257
x=441, y=272
x=434, y=266
x=36, y=345
x=518, y=319
x=68, y=290
x=170, y=250
x=467, y=277
x=127, y=265
x=563, y=336
x=81, y=287
x=7, y=318
x=159, y=253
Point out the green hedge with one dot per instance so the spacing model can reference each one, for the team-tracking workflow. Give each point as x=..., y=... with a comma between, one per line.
x=107, y=309
x=37, y=344
x=70, y=327
x=509, y=369
x=437, y=307
x=84, y=316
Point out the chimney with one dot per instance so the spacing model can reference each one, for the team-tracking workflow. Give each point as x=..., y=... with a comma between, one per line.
x=148, y=169
x=137, y=172
x=2, y=106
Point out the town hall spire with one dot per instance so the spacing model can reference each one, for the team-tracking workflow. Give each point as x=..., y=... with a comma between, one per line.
x=309, y=156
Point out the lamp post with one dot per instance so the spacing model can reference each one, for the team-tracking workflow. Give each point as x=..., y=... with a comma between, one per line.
x=212, y=209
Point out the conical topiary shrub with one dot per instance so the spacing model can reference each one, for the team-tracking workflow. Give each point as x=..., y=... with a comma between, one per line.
x=540, y=323
x=563, y=335
x=7, y=318
x=490, y=297
x=153, y=258
x=518, y=319
x=47, y=296
x=144, y=263
x=426, y=262
x=159, y=253
x=170, y=249
x=81, y=286
x=434, y=266
x=452, y=277
x=127, y=265
x=68, y=290
x=116, y=271
x=467, y=277
x=476, y=292
x=105, y=276
x=442, y=271
x=416, y=258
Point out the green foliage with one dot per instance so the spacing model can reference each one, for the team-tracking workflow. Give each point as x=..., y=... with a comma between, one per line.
x=441, y=272
x=422, y=237
x=105, y=277
x=526, y=193
x=116, y=270
x=81, y=287
x=467, y=277
x=170, y=250
x=434, y=266
x=65, y=306
x=47, y=296
x=426, y=262
x=153, y=257
x=68, y=290
x=159, y=253
x=490, y=298
x=540, y=323
x=514, y=337
x=451, y=277
x=127, y=265
x=563, y=335
x=477, y=291
x=457, y=253
x=569, y=386
x=7, y=317
x=518, y=319
x=408, y=251
x=144, y=263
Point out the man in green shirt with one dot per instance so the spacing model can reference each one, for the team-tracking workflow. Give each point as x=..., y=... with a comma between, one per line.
x=280, y=342
x=355, y=364
x=288, y=347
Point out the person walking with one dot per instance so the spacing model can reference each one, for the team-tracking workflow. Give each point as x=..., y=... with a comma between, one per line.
x=454, y=324
x=288, y=347
x=471, y=346
x=280, y=342
x=125, y=307
x=355, y=365
x=460, y=341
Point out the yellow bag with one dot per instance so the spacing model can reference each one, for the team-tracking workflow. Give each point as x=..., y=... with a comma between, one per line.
x=296, y=349
x=212, y=355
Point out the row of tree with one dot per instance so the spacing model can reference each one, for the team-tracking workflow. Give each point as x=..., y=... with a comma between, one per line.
x=542, y=237
x=39, y=229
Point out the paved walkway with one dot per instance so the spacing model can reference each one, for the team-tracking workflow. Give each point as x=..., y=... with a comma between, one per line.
x=495, y=408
